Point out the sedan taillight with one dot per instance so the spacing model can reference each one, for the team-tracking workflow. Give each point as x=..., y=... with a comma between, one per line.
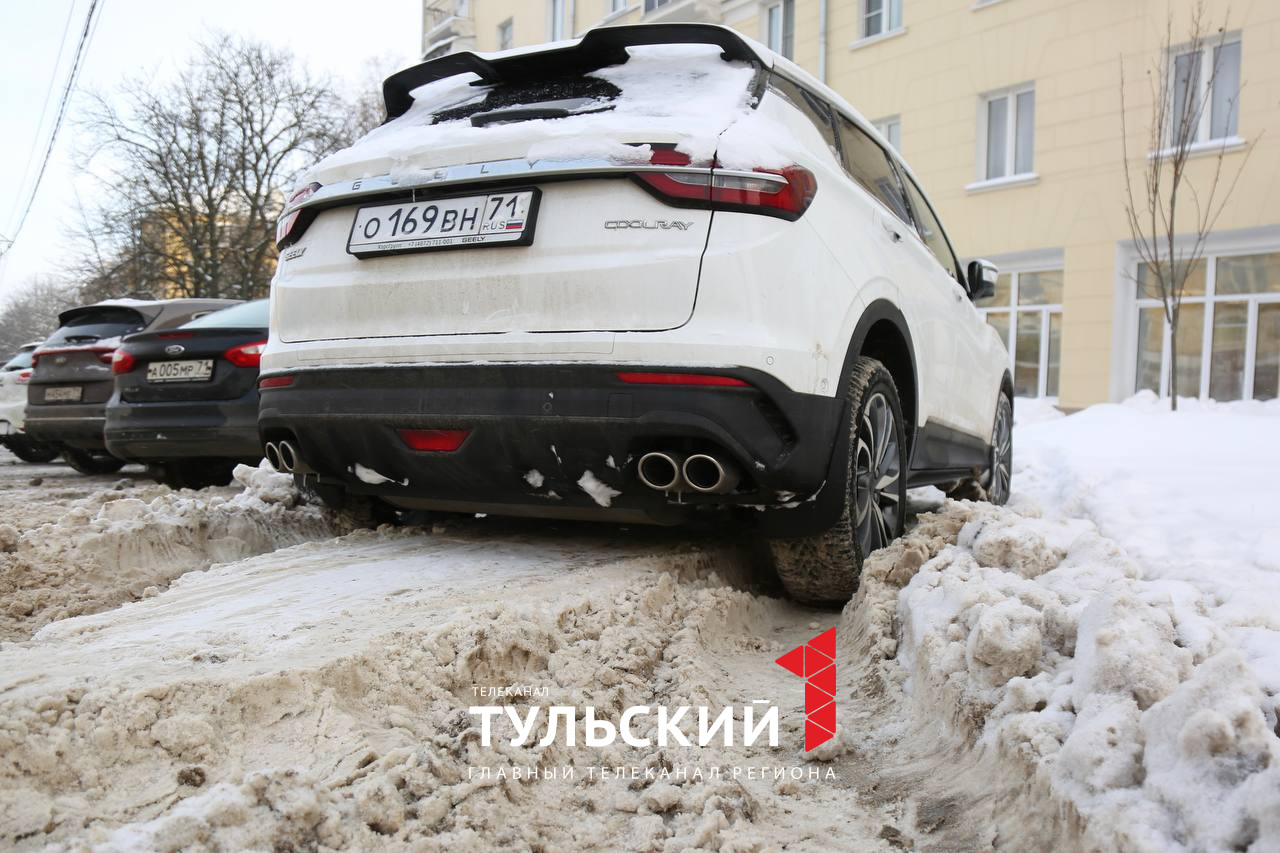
x=246, y=355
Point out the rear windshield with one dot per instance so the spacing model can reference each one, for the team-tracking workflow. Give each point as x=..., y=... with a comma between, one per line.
x=99, y=323
x=247, y=315
x=21, y=361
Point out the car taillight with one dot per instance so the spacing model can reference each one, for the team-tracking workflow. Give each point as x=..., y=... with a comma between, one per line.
x=286, y=224
x=442, y=440
x=24, y=376
x=107, y=357
x=785, y=193
x=703, y=379
x=246, y=355
x=122, y=362
x=275, y=382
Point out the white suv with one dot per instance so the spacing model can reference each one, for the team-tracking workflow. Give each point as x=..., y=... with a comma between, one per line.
x=648, y=273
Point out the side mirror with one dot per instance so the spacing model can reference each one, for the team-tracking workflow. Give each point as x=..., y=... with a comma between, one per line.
x=982, y=275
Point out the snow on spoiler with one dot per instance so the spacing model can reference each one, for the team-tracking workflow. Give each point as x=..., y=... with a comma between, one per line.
x=597, y=49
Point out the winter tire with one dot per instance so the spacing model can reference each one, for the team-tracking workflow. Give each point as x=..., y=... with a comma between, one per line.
x=91, y=462
x=1000, y=468
x=31, y=451
x=824, y=569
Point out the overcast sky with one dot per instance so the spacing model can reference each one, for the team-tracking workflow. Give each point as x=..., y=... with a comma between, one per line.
x=137, y=36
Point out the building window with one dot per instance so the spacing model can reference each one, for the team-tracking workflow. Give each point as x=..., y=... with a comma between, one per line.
x=1026, y=311
x=1206, y=94
x=462, y=8
x=651, y=5
x=506, y=34
x=556, y=14
x=780, y=28
x=1228, y=330
x=616, y=6
x=1009, y=121
x=880, y=16
x=891, y=129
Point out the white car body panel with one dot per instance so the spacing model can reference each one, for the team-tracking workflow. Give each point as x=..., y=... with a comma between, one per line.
x=779, y=296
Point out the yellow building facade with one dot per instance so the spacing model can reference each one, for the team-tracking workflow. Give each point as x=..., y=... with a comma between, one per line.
x=1009, y=112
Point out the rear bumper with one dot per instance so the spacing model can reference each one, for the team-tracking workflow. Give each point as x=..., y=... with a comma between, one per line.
x=214, y=429
x=558, y=420
x=74, y=425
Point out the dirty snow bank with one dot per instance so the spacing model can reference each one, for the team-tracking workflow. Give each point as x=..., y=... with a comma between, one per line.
x=1114, y=635
x=118, y=545
x=318, y=697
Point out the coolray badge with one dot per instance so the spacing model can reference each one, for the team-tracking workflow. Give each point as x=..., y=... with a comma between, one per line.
x=815, y=662
x=647, y=224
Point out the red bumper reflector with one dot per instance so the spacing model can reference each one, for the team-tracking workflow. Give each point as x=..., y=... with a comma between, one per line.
x=434, y=439
x=704, y=379
x=275, y=382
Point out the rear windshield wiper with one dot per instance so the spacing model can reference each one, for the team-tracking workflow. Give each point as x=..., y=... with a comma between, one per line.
x=550, y=109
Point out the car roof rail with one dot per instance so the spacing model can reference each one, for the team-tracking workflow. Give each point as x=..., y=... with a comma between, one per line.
x=599, y=48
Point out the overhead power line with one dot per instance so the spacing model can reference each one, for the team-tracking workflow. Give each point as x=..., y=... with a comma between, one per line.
x=82, y=46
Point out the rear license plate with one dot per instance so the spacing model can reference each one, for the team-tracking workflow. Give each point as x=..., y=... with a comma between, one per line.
x=190, y=370
x=63, y=394
x=463, y=222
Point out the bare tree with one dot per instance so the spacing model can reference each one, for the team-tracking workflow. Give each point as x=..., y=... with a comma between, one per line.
x=31, y=313
x=1170, y=216
x=193, y=172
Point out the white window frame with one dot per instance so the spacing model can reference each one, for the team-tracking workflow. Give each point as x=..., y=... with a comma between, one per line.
x=884, y=127
x=890, y=11
x=1124, y=342
x=613, y=7
x=509, y=25
x=1051, y=262
x=1204, y=130
x=1210, y=300
x=555, y=20
x=1011, y=174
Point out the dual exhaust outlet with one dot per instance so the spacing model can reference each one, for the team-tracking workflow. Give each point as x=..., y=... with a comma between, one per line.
x=283, y=456
x=675, y=472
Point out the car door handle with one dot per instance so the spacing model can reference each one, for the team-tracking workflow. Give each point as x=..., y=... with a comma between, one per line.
x=889, y=228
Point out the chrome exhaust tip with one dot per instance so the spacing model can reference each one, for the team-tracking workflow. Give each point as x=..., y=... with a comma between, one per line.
x=288, y=457
x=709, y=475
x=273, y=455
x=660, y=472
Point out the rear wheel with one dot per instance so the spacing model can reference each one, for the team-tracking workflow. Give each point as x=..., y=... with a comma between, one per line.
x=92, y=461
x=195, y=474
x=29, y=450
x=824, y=569
x=1000, y=468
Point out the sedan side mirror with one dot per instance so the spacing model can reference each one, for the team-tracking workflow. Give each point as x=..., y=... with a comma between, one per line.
x=982, y=276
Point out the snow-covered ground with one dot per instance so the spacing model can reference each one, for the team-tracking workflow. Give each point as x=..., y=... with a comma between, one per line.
x=1095, y=666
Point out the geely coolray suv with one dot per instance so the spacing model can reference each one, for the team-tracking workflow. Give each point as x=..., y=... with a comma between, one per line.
x=652, y=271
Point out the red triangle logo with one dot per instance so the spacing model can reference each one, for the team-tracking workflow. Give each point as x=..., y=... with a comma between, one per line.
x=824, y=716
x=815, y=698
x=825, y=679
x=815, y=735
x=793, y=661
x=825, y=643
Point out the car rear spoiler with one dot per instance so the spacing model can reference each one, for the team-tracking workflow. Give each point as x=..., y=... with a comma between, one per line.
x=147, y=313
x=597, y=49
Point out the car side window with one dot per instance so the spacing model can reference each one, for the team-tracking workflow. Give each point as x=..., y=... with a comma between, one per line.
x=930, y=229
x=814, y=108
x=869, y=165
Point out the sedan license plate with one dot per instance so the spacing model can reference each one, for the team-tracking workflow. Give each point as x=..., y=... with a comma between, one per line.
x=63, y=394
x=463, y=222
x=190, y=370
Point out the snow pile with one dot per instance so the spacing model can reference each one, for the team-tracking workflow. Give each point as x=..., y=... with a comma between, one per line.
x=1116, y=637
x=681, y=92
x=122, y=544
x=345, y=725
